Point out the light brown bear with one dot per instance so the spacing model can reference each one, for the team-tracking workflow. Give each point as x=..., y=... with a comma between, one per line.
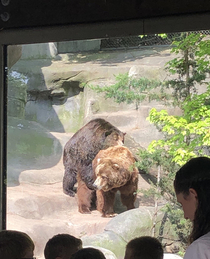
x=115, y=170
x=78, y=155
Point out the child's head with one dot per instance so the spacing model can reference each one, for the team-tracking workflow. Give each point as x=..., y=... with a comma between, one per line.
x=144, y=247
x=192, y=187
x=15, y=244
x=88, y=253
x=62, y=246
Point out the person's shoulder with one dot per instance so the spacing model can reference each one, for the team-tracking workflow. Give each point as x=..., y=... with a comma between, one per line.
x=205, y=237
x=199, y=249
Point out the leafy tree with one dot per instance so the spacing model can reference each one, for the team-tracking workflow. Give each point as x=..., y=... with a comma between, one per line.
x=191, y=67
x=188, y=135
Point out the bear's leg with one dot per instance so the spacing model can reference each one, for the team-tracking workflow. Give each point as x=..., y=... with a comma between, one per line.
x=84, y=196
x=105, y=202
x=128, y=200
x=128, y=196
x=69, y=181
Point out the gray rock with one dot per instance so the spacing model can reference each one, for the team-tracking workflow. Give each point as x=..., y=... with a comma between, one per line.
x=132, y=223
x=121, y=229
x=31, y=146
x=108, y=240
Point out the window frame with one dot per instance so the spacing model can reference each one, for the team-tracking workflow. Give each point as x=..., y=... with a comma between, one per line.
x=77, y=32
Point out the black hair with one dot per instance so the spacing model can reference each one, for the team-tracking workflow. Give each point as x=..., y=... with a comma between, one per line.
x=195, y=174
x=145, y=247
x=88, y=253
x=14, y=244
x=61, y=245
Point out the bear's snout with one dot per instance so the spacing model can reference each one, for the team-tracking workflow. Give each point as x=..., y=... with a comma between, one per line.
x=97, y=184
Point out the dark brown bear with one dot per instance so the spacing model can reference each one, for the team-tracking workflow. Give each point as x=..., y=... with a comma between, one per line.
x=79, y=153
x=115, y=170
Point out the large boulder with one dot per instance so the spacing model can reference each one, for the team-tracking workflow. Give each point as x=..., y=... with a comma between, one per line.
x=128, y=225
x=121, y=229
x=31, y=146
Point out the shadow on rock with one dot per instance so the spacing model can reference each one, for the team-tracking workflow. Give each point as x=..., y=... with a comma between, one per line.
x=29, y=146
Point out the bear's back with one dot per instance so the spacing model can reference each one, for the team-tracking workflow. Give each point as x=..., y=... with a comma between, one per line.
x=97, y=134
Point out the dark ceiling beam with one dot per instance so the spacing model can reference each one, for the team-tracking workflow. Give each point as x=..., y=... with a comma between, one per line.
x=105, y=29
x=35, y=13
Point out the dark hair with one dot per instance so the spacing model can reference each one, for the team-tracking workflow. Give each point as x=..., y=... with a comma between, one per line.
x=61, y=245
x=195, y=174
x=14, y=244
x=88, y=253
x=145, y=247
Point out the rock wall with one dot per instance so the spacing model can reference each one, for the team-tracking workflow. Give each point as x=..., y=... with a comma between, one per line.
x=58, y=99
x=57, y=104
x=50, y=97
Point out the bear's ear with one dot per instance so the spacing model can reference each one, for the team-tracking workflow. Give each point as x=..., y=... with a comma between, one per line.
x=107, y=133
x=115, y=166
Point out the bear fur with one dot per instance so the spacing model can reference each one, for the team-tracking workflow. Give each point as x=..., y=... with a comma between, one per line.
x=115, y=170
x=78, y=155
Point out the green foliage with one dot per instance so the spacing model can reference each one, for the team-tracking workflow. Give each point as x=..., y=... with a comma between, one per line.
x=129, y=89
x=159, y=157
x=162, y=35
x=179, y=224
x=188, y=135
x=190, y=66
x=155, y=158
x=185, y=136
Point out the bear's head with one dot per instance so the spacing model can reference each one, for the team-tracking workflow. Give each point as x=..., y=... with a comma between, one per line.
x=113, y=138
x=109, y=175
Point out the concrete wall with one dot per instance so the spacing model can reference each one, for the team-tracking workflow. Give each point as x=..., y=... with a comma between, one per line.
x=79, y=46
x=39, y=51
x=51, y=50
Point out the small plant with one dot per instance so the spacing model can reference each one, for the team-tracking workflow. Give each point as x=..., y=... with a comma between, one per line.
x=130, y=89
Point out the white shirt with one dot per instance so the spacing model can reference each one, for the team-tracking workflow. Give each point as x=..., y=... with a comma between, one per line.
x=199, y=249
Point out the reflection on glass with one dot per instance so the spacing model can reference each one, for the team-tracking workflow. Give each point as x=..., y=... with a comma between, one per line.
x=53, y=90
